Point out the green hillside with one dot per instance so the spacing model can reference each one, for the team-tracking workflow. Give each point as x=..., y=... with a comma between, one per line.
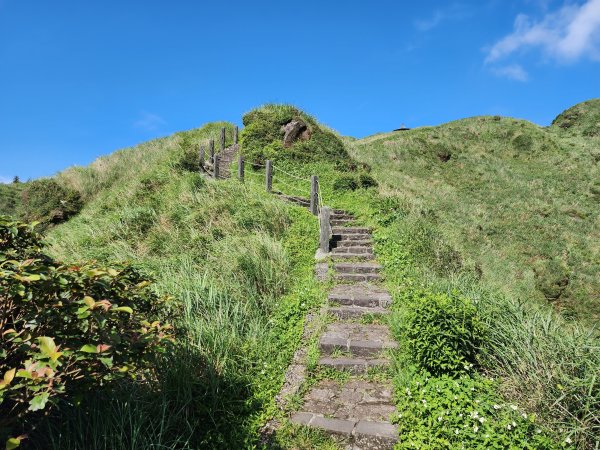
x=517, y=203
x=495, y=214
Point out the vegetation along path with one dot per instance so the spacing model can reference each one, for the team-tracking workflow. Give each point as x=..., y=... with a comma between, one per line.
x=356, y=408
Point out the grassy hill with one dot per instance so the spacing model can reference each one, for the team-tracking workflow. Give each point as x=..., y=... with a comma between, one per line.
x=518, y=204
x=498, y=211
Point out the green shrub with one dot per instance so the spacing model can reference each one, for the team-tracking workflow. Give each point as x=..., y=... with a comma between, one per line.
x=262, y=136
x=47, y=201
x=453, y=413
x=345, y=183
x=442, y=333
x=366, y=181
x=66, y=330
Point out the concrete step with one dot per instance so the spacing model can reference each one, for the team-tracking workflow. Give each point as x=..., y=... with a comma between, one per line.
x=357, y=267
x=366, y=295
x=353, y=365
x=357, y=411
x=346, y=256
x=352, y=312
x=350, y=230
x=355, y=242
x=357, y=338
x=341, y=216
x=340, y=222
x=357, y=277
x=353, y=249
x=351, y=237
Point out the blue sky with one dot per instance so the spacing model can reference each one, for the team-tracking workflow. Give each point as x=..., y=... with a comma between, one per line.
x=82, y=79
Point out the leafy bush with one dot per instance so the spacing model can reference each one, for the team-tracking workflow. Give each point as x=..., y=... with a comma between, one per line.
x=442, y=333
x=345, y=183
x=262, y=136
x=66, y=330
x=453, y=413
x=366, y=181
x=49, y=202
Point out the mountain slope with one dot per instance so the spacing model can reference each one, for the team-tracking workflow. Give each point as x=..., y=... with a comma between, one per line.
x=518, y=204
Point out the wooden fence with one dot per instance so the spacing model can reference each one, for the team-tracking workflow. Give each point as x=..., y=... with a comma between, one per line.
x=314, y=203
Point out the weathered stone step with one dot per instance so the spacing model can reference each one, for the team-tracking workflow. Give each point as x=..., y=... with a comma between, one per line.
x=340, y=222
x=353, y=365
x=353, y=249
x=345, y=256
x=351, y=236
x=357, y=277
x=350, y=312
x=357, y=410
x=357, y=267
x=355, y=242
x=367, y=295
x=350, y=230
x=357, y=338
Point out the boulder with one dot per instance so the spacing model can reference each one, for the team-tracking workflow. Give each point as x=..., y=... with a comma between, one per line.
x=293, y=130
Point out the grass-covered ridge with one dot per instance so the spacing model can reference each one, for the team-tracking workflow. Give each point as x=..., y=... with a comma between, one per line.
x=238, y=263
x=516, y=203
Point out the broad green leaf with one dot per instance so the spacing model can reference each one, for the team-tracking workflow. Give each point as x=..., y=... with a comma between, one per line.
x=39, y=401
x=13, y=443
x=126, y=309
x=89, y=301
x=88, y=348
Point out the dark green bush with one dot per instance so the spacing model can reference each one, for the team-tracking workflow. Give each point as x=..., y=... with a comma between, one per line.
x=262, y=137
x=66, y=330
x=443, y=333
x=345, y=183
x=47, y=201
x=366, y=181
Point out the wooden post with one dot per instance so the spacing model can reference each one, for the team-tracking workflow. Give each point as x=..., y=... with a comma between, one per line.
x=235, y=135
x=216, y=167
x=211, y=151
x=241, y=168
x=269, y=176
x=314, y=195
x=202, y=156
x=325, y=225
x=222, y=138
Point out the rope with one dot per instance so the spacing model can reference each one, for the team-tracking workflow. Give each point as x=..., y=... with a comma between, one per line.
x=290, y=174
x=295, y=189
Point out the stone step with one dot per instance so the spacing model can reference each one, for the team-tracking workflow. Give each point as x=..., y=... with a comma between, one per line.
x=340, y=222
x=351, y=312
x=344, y=256
x=357, y=410
x=350, y=230
x=351, y=236
x=366, y=295
x=357, y=267
x=353, y=249
x=357, y=338
x=355, y=242
x=341, y=216
x=353, y=365
x=357, y=277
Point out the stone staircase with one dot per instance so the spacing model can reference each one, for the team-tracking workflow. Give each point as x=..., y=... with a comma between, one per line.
x=226, y=157
x=357, y=410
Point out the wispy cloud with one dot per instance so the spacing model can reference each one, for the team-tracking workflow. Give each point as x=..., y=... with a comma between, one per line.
x=512, y=71
x=5, y=180
x=149, y=121
x=453, y=12
x=567, y=35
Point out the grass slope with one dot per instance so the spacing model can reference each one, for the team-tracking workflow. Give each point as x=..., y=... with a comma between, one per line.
x=238, y=263
x=515, y=203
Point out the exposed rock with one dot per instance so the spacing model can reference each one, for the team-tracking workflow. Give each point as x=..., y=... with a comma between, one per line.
x=294, y=130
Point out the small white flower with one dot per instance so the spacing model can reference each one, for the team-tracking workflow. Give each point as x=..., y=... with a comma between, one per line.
x=424, y=402
x=538, y=431
x=455, y=397
x=475, y=428
x=497, y=406
x=472, y=389
x=477, y=401
x=509, y=427
x=456, y=431
x=513, y=407
x=524, y=416
x=487, y=436
x=481, y=419
x=568, y=440
x=460, y=415
x=439, y=418
x=514, y=424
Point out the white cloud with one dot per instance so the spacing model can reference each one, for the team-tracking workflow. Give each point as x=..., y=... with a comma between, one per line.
x=566, y=35
x=5, y=180
x=149, y=121
x=432, y=22
x=512, y=71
